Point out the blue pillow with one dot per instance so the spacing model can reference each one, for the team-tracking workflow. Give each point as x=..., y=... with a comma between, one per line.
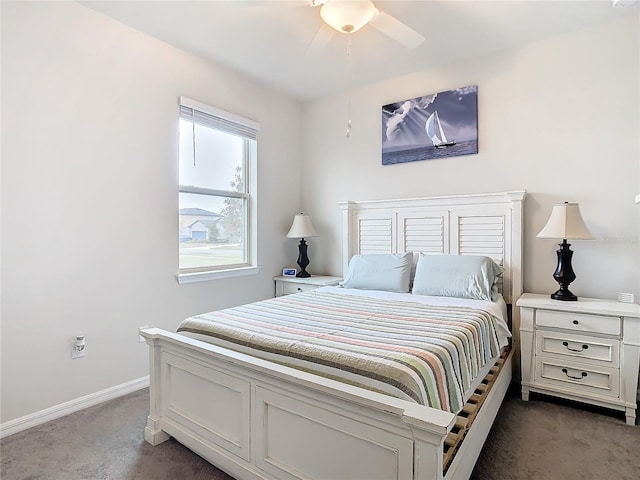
x=461, y=276
x=390, y=272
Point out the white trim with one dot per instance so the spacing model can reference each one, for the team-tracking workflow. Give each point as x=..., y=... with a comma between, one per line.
x=57, y=411
x=218, y=112
x=214, y=275
x=448, y=200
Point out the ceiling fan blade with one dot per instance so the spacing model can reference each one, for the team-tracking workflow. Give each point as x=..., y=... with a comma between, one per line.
x=322, y=38
x=397, y=30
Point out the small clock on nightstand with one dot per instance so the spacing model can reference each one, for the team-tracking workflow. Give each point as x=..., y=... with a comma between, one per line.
x=587, y=350
x=286, y=285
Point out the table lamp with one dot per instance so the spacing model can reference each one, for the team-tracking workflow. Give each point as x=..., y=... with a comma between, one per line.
x=566, y=223
x=302, y=228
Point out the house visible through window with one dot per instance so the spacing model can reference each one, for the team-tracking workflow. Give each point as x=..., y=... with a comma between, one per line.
x=217, y=188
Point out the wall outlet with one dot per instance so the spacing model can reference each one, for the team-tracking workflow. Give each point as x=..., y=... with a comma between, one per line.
x=78, y=347
x=140, y=337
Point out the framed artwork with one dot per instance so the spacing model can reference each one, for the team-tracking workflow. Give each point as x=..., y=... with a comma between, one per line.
x=443, y=124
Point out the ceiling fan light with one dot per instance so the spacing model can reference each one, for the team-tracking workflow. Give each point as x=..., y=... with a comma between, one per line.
x=347, y=16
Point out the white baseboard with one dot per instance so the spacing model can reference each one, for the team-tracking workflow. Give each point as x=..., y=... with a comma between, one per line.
x=57, y=411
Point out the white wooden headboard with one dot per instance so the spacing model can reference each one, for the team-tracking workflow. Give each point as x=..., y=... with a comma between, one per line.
x=485, y=224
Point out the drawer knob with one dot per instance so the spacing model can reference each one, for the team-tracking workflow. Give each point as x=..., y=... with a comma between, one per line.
x=299, y=289
x=584, y=347
x=566, y=372
x=576, y=322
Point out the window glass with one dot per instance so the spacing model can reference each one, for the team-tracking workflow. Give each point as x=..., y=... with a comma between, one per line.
x=218, y=156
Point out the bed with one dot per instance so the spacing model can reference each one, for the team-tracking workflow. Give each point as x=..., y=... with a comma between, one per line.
x=259, y=416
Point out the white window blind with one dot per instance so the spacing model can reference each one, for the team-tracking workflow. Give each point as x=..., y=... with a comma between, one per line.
x=207, y=116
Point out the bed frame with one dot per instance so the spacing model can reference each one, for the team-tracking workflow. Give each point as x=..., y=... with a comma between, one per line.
x=256, y=419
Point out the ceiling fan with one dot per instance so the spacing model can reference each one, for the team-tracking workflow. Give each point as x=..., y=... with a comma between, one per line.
x=349, y=16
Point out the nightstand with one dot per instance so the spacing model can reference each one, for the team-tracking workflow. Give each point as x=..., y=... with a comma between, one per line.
x=587, y=351
x=289, y=285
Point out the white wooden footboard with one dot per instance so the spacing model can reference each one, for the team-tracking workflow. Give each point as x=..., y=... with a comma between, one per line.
x=259, y=420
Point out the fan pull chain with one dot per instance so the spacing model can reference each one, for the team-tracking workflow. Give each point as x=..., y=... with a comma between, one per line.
x=349, y=65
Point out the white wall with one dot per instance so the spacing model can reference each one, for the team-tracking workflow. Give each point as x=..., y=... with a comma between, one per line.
x=89, y=197
x=559, y=118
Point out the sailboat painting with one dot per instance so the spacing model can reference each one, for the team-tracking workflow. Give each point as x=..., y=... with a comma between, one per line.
x=444, y=124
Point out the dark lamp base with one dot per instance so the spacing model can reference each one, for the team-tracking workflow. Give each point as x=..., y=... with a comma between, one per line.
x=303, y=260
x=564, y=274
x=564, y=295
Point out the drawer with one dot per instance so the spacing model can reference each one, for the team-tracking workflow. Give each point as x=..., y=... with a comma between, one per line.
x=580, y=322
x=290, y=287
x=591, y=350
x=577, y=378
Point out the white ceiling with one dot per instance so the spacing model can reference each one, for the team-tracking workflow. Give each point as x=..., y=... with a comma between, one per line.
x=269, y=40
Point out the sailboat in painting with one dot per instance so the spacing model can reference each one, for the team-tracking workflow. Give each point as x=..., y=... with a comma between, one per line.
x=435, y=132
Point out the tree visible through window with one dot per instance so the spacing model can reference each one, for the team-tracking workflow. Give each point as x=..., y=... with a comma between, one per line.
x=216, y=195
x=232, y=220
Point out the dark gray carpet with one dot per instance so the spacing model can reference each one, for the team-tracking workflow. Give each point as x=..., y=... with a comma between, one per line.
x=541, y=439
x=552, y=439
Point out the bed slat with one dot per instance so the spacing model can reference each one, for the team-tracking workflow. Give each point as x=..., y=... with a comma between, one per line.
x=471, y=408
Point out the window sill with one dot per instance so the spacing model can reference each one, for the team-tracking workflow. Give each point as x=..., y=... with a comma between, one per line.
x=206, y=276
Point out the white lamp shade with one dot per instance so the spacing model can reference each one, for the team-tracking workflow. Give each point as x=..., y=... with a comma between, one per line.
x=565, y=222
x=302, y=227
x=347, y=16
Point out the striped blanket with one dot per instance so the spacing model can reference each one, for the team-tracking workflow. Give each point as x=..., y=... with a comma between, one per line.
x=429, y=354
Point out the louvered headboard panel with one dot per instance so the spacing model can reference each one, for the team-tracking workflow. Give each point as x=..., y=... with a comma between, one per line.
x=375, y=234
x=483, y=235
x=486, y=224
x=423, y=233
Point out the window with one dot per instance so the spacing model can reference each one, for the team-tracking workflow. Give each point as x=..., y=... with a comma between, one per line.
x=217, y=204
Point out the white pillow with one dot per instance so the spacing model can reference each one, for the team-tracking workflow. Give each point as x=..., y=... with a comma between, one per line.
x=377, y=271
x=462, y=276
